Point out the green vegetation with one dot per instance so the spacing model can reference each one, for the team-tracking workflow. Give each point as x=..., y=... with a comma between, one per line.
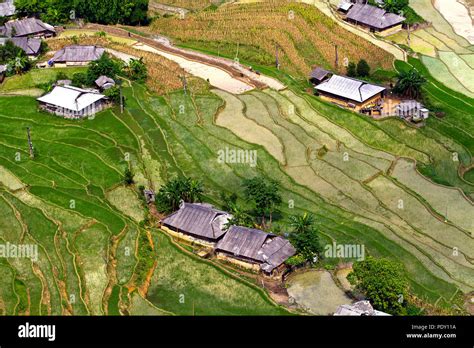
x=104, y=12
x=383, y=282
x=304, y=237
x=177, y=190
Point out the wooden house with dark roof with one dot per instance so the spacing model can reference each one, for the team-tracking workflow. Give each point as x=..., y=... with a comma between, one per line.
x=254, y=249
x=31, y=46
x=198, y=223
x=350, y=93
x=27, y=27
x=76, y=55
x=375, y=19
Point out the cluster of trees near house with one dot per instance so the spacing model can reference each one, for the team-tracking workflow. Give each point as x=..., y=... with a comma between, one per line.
x=135, y=70
x=131, y=12
x=381, y=281
x=14, y=58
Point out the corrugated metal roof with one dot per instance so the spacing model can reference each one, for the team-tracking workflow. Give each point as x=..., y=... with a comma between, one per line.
x=30, y=46
x=71, y=98
x=352, y=89
x=7, y=8
x=199, y=220
x=373, y=16
x=28, y=26
x=78, y=53
x=319, y=73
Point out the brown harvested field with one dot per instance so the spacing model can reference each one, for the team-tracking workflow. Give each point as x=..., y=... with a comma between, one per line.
x=305, y=36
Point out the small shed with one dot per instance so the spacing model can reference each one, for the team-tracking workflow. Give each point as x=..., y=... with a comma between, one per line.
x=411, y=109
x=104, y=82
x=344, y=6
x=318, y=75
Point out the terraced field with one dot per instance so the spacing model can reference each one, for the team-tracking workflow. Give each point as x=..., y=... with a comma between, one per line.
x=70, y=202
x=447, y=55
x=356, y=175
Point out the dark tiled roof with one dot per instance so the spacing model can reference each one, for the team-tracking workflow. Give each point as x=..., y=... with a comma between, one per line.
x=31, y=46
x=78, y=53
x=319, y=74
x=264, y=248
x=28, y=26
x=243, y=241
x=199, y=220
x=276, y=251
x=373, y=16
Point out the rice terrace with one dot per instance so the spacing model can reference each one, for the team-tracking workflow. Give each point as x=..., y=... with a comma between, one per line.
x=232, y=158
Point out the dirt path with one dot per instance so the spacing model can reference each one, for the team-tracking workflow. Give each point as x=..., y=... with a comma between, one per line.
x=234, y=69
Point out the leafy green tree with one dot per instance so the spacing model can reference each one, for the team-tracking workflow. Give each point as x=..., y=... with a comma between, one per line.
x=113, y=94
x=137, y=69
x=304, y=236
x=176, y=190
x=265, y=196
x=352, y=69
x=409, y=83
x=9, y=52
x=128, y=177
x=79, y=79
x=363, y=68
x=395, y=6
x=105, y=65
x=383, y=282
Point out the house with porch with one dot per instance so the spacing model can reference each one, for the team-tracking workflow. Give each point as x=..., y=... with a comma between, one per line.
x=350, y=93
x=197, y=223
x=372, y=18
x=76, y=55
x=73, y=102
x=27, y=27
x=255, y=250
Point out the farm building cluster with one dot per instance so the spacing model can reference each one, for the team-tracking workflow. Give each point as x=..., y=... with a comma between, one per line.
x=364, y=97
x=249, y=248
x=372, y=18
x=26, y=34
x=73, y=102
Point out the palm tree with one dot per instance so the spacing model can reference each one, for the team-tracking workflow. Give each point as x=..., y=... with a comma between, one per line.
x=194, y=190
x=409, y=83
x=20, y=63
x=302, y=223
